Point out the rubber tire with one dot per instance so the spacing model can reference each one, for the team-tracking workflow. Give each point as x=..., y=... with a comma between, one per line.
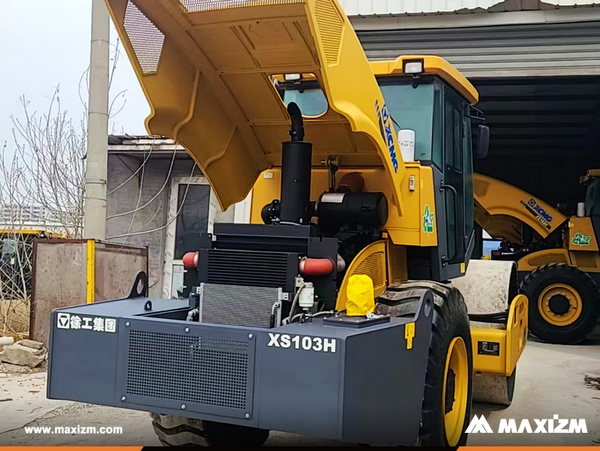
x=545, y=275
x=450, y=319
x=181, y=431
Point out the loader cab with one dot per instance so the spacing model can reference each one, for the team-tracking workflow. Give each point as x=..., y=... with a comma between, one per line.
x=591, y=180
x=592, y=194
x=447, y=137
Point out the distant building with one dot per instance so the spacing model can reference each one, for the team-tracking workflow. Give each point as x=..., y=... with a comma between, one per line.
x=32, y=216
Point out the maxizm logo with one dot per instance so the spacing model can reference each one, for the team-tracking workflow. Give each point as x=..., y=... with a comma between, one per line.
x=509, y=426
x=385, y=128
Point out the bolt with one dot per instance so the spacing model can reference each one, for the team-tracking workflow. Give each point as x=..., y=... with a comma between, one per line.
x=187, y=330
x=127, y=324
x=123, y=398
x=250, y=336
x=183, y=406
x=247, y=415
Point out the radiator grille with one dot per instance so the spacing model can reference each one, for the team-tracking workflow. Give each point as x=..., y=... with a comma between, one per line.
x=373, y=266
x=193, y=6
x=330, y=26
x=210, y=371
x=238, y=306
x=147, y=40
x=247, y=268
x=265, y=247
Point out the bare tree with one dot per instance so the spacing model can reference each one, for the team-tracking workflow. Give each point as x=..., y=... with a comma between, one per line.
x=44, y=171
x=15, y=278
x=47, y=167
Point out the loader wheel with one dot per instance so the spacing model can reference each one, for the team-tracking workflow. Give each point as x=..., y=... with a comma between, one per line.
x=180, y=431
x=448, y=389
x=564, y=303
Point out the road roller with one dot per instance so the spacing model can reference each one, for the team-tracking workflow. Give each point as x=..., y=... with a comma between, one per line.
x=334, y=310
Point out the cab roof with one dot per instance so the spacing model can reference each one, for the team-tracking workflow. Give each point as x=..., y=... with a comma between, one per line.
x=432, y=65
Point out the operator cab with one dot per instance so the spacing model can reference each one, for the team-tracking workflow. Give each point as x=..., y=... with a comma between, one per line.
x=591, y=180
x=592, y=195
x=436, y=107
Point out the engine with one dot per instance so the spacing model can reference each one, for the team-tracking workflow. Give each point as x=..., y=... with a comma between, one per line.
x=291, y=267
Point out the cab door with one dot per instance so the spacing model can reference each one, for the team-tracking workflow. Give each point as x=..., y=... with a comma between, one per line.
x=457, y=184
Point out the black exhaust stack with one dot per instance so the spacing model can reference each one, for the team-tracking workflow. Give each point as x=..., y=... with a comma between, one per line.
x=295, y=172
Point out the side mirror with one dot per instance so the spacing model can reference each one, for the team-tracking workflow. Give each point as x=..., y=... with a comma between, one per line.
x=483, y=141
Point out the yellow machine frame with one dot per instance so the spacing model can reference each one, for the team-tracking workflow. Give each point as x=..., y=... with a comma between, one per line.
x=511, y=341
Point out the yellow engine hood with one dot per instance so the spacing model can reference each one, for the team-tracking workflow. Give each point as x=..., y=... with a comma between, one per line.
x=206, y=65
x=501, y=208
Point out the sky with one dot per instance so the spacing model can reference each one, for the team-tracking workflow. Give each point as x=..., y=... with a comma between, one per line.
x=46, y=43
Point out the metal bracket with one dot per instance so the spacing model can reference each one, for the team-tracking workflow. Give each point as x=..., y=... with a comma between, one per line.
x=143, y=292
x=200, y=291
x=282, y=295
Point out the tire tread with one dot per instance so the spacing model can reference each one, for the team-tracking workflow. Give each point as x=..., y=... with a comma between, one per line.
x=582, y=328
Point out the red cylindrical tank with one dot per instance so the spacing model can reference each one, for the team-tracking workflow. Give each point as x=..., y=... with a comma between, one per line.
x=190, y=260
x=316, y=266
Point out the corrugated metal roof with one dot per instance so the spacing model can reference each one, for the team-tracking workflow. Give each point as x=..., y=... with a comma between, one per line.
x=550, y=49
x=419, y=7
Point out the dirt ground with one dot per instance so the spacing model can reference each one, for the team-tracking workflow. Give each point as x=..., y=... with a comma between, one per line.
x=550, y=381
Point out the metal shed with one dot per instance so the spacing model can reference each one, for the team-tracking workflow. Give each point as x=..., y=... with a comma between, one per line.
x=536, y=65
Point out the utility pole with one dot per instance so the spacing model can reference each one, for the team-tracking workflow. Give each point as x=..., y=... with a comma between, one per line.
x=97, y=140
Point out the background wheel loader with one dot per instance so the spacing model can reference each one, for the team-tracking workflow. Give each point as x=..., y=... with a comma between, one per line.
x=332, y=313
x=557, y=255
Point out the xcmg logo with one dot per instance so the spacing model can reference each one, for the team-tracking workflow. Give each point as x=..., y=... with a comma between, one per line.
x=539, y=210
x=510, y=426
x=385, y=128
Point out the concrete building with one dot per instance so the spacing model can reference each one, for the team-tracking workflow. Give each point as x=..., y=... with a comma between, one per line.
x=158, y=199
x=536, y=65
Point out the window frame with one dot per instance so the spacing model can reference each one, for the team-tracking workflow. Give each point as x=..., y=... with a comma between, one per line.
x=172, y=265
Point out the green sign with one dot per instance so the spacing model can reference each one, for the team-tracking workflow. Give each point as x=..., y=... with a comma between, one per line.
x=428, y=220
x=579, y=239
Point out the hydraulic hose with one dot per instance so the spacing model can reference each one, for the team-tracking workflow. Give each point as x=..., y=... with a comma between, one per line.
x=295, y=303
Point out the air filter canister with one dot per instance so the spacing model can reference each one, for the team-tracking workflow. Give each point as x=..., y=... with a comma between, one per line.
x=352, y=211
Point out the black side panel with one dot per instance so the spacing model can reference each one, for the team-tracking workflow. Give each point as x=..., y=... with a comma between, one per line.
x=248, y=268
x=420, y=263
x=223, y=229
x=262, y=237
x=87, y=353
x=477, y=253
x=325, y=286
x=596, y=224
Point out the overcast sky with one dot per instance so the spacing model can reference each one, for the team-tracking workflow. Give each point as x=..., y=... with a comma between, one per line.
x=46, y=43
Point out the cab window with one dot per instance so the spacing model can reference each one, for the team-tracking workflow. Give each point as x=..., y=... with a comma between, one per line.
x=411, y=107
